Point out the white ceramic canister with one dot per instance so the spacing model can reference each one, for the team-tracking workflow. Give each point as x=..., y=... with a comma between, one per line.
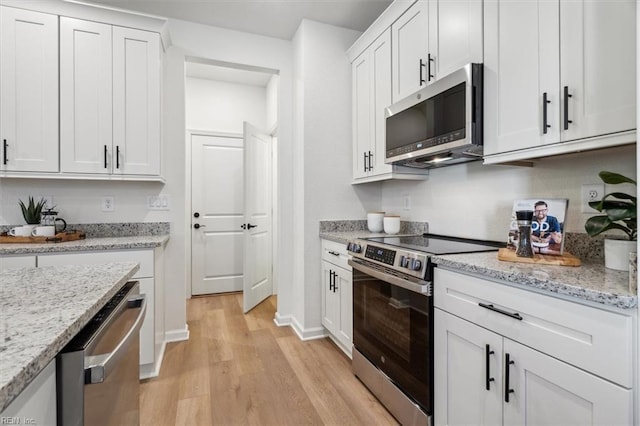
x=391, y=224
x=374, y=221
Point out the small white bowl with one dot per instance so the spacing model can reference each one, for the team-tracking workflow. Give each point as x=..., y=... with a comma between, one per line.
x=391, y=224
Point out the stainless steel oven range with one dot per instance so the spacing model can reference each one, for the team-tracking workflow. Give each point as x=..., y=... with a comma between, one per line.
x=393, y=318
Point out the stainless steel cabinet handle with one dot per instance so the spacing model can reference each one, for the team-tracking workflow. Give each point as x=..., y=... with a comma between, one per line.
x=98, y=367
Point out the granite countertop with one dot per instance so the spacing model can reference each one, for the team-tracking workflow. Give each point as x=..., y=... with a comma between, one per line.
x=107, y=243
x=42, y=309
x=590, y=282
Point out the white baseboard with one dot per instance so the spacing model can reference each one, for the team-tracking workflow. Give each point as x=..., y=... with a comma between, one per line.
x=177, y=335
x=303, y=334
x=148, y=371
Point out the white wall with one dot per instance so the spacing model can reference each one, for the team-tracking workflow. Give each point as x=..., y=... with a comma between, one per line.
x=323, y=157
x=474, y=200
x=222, y=106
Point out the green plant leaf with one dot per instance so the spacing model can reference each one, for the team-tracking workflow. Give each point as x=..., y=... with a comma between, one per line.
x=596, y=225
x=612, y=178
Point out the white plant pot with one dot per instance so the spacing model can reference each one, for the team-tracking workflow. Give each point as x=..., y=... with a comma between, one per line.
x=616, y=253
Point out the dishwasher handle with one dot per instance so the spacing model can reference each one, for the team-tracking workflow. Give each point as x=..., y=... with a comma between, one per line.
x=98, y=367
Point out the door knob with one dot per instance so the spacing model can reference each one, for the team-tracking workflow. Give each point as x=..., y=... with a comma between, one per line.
x=196, y=214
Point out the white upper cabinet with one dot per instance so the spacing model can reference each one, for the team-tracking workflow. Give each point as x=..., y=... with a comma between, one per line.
x=371, y=74
x=110, y=99
x=29, y=87
x=410, y=38
x=136, y=101
x=559, y=76
x=455, y=35
x=86, y=105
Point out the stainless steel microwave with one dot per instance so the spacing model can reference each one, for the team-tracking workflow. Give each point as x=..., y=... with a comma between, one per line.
x=438, y=125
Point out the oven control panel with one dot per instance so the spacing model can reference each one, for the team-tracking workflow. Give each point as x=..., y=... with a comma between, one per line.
x=380, y=254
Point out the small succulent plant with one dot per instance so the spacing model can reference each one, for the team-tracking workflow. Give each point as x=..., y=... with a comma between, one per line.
x=32, y=211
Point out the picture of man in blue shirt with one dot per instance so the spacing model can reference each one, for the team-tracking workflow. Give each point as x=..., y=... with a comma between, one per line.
x=545, y=228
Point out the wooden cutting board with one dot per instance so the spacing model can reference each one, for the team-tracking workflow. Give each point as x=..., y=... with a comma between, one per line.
x=59, y=237
x=565, y=259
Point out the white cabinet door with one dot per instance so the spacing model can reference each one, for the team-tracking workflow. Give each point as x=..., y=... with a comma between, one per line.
x=29, y=87
x=455, y=34
x=371, y=77
x=330, y=298
x=549, y=392
x=380, y=98
x=467, y=373
x=521, y=63
x=598, y=63
x=86, y=105
x=136, y=102
x=36, y=404
x=410, y=38
x=345, y=325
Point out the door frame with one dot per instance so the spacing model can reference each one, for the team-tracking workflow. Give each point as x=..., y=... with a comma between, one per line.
x=187, y=207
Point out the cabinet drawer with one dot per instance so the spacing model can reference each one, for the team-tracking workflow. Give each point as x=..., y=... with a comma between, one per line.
x=144, y=257
x=590, y=338
x=336, y=253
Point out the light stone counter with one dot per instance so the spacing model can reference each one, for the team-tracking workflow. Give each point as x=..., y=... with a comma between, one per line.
x=89, y=244
x=42, y=309
x=590, y=282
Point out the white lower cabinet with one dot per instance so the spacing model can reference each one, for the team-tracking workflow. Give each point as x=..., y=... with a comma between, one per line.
x=36, y=404
x=151, y=284
x=337, y=295
x=496, y=358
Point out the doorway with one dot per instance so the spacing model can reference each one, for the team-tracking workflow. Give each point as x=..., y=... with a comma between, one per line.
x=219, y=98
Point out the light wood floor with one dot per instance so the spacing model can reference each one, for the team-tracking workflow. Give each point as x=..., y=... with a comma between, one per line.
x=244, y=370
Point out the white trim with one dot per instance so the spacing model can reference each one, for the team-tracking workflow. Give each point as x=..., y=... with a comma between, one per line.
x=150, y=370
x=81, y=176
x=177, y=335
x=304, y=335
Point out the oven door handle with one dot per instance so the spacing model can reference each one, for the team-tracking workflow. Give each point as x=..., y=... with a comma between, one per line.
x=422, y=287
x=98, y=367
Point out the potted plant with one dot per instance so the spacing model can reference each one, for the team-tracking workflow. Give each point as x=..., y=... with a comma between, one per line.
x=620, y=213
x=32, y=211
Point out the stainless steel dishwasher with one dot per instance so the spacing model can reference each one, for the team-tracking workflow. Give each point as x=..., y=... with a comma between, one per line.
x=98, y=370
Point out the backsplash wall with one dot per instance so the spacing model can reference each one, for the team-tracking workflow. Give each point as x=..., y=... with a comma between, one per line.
x=474, y=200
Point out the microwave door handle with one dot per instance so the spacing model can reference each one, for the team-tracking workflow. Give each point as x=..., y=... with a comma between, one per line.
x=98, y=367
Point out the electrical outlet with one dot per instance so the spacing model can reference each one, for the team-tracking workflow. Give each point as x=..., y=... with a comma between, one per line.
x=108, y=204
x=407, y=202
x=591, y=192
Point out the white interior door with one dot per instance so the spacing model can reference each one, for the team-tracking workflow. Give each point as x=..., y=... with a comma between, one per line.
x=258, y=283
x=217, y=214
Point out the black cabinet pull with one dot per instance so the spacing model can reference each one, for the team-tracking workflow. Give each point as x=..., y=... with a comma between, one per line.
x=334, y=253
x=370, y=157
x=507, y=389
x=513, y=315
x=489, y=379
x=5, y=156
x=545, y=101
x=249, y=226
x=422, y=80
x=566, y=107
x=331, y=283
x=196, y=214
x=198, y=226
x=105, y=156
x=430, y=59
x=117, y=156
x=365, y=162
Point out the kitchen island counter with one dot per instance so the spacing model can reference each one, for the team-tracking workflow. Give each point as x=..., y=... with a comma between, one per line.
x=42, y=309
x=89, y=244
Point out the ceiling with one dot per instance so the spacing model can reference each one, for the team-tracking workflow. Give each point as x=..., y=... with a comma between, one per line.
x=273, y=18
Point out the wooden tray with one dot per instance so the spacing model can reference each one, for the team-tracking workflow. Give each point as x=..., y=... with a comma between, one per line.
x=59, y=237
x=565, y=259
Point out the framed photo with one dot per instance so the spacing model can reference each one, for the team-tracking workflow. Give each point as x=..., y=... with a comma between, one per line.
x=547, y=226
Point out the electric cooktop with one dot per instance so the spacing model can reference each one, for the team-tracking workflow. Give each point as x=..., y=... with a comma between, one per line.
x=437, y=244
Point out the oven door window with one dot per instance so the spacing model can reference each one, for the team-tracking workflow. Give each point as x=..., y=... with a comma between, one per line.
x=392, y=328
